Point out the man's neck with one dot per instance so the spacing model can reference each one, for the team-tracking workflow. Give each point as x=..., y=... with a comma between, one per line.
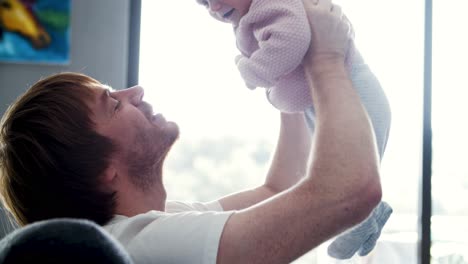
x=132, y=201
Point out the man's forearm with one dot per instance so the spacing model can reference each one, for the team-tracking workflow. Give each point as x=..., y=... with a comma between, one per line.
x=340, y=190
x=341, y=162
x=289, y=163
x=290, y=160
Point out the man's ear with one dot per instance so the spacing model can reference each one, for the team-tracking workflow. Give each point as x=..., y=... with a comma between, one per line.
x=109, y=176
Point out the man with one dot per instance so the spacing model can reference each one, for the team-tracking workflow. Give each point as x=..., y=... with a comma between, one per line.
x=71, y=147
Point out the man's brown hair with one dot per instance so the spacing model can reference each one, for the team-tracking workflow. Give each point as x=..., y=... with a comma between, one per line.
x=51, y=157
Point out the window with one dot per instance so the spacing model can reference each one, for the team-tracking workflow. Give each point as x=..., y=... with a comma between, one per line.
x=187, y=69
x=450, y=129
x=189, y=74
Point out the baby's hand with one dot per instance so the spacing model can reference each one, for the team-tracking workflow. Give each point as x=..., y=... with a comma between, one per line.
x=237, y=59
x=250, y=86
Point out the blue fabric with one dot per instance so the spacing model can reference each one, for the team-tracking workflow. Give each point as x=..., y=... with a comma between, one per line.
x=373, y=99
x=7, y=224
x=363, y=237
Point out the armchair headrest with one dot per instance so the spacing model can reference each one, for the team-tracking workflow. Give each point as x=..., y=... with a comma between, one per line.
x=62, y=241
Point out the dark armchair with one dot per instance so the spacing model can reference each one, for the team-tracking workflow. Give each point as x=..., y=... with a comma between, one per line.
x=61, y=241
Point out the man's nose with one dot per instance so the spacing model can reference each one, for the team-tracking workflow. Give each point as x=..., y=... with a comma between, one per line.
x=133, y=94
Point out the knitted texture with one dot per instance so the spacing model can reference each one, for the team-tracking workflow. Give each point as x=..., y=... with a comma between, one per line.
x=363, y=237
x=273, y=38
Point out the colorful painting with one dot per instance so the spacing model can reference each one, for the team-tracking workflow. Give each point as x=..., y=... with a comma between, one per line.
x=35, y=31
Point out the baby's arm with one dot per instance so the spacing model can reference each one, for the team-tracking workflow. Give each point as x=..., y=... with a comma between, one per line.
x=282, y=31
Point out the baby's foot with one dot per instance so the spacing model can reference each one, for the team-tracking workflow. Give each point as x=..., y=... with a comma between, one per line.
x=382, y=217
x=361, y=237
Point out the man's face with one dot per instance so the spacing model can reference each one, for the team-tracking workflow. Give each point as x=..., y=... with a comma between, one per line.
x=229, y=11
x=143, y=138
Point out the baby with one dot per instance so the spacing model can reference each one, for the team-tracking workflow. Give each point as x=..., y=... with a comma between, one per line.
x=273, y=37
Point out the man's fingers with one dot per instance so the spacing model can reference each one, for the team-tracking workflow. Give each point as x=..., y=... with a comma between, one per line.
x=325, y=4
x=336, y=10
x=310, y=4
x=351, y=28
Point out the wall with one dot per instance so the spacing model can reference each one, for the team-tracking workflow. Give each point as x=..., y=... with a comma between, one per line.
x=99, y=48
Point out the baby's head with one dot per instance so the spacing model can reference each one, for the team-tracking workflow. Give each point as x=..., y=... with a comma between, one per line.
x=229, y=11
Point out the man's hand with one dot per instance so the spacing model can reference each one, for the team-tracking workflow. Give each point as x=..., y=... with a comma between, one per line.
x=331, y=31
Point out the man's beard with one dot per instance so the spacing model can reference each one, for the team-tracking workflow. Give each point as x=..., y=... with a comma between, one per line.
x=146, y=158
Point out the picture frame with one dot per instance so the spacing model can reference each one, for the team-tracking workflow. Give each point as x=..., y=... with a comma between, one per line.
x=35, y=31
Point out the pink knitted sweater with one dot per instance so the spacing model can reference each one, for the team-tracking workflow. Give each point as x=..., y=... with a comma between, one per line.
x=273, y=38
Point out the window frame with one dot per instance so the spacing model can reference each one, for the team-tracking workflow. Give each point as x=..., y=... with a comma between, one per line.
x=426, y=177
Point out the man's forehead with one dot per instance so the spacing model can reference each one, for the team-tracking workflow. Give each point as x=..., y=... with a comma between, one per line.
x=99, y=105
x=99, y=92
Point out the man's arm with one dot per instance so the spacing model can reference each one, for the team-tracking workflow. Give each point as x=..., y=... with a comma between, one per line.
x=288, y=164
x=342, y=185
x=340, y=190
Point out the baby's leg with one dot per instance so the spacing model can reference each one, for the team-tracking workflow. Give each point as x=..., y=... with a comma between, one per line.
x=373, y=98
x=363, y=237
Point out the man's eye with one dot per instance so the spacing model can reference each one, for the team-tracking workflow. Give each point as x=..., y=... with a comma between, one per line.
x=117, y=106
x=204, y=3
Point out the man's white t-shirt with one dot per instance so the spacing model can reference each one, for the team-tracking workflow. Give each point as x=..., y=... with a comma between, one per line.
x=184, y=233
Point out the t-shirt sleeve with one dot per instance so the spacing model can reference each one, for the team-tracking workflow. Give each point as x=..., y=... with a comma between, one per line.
x=190, y=237
x=177, y=207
